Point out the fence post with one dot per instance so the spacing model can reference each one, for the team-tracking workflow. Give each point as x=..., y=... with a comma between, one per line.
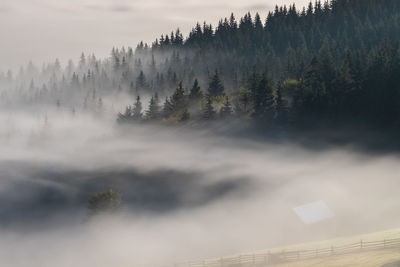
x=222, y=261
x=361, y=244
x=254, y=259
x=384, y=243
x=331, y=250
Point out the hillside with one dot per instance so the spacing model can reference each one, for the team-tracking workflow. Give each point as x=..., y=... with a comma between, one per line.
x=332, y=62
x=374, y=249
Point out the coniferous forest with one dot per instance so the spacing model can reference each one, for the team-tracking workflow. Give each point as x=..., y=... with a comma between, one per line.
x=222, y=144
x=331, y=62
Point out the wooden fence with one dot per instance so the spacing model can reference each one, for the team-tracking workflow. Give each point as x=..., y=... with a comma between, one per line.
x=268, y=258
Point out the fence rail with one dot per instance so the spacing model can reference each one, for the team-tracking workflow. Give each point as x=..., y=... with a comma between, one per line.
x=268, y=258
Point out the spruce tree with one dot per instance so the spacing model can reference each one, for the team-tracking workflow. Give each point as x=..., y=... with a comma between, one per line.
x=208, y=112
x=264, y=99
x=153, y=112
x=126, y=116
x=137, y=109
x=216, y=88
x=281, y=105
x=195, y=93
x=141, y=81
x=178, y=101
x=167, y=109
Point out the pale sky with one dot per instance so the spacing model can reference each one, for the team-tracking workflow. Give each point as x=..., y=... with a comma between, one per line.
x=42, y=30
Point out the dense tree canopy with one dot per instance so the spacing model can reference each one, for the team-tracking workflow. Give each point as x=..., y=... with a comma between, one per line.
x=331, y=61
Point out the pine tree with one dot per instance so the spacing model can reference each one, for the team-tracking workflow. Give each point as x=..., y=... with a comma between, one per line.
x=195, y=93
x=82, y=61
x=264, y=99
x=178, y=101
x=195, y=99
x=208, y=112
x=141, y=81
x=216, y=88
x=253, y=84
x=315, y=100
x=126, y=116
x=137, y=109
x=167, y=108
x=153, y=112
x=281, y=105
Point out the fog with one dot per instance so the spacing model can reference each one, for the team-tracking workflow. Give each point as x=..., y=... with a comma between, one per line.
x=42, y=30
x=192, y=190
x=188, y=193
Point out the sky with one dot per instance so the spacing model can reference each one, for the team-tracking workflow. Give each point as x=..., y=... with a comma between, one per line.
x=43, y=30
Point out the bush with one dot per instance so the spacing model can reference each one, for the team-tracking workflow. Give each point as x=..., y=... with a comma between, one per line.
x=108, y=201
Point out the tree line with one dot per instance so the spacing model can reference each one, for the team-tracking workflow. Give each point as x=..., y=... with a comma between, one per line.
x=329, y=61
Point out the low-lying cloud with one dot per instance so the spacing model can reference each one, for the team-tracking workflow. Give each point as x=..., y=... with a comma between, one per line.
x=188, y=193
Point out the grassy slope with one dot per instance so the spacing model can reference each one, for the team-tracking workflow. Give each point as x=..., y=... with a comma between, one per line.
x=365, y=259
x=368, y=258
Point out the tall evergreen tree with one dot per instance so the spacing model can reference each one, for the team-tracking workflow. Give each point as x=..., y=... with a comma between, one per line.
x=178, y=101
x=153, y=111
x=195, y=99
x=216, y=88
x=141, y=82
x=264, y=99
x=137, y=109
x=195, y=93
x=281, y=105
x=208, y=111
x=168, y=109
x=126, y=116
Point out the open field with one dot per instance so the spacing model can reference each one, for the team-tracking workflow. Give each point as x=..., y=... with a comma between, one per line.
x=365, y=259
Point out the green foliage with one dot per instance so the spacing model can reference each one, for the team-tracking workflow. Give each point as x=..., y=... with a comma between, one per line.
x=281, y=105
x=141, y=82
x=195, y=93
x=243, y=102
x=338, y=61
x=137, y=109
x=131, y=114
x=153, y=113
x=109, y=201
x=226, y=110
x=216, y=88
x=264, y=99
x=178, y=106
x=195, y=99
x=208, y=110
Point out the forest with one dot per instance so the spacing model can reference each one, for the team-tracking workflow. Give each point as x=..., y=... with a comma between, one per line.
x=252, y=133
x=330, y=62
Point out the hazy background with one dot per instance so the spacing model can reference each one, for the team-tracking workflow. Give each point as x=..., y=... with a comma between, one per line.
x=188, y=194
x=42, y=30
